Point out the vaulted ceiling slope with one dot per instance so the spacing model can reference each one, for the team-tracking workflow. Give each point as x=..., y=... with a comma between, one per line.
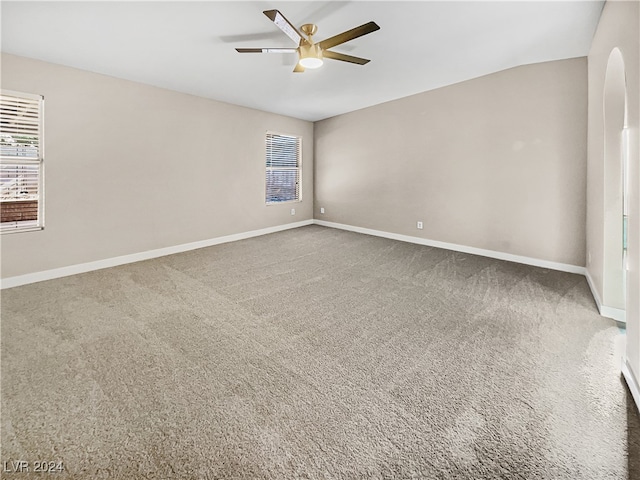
x=190, y=46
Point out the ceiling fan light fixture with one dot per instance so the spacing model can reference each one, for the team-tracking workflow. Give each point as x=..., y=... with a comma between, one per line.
x=311, y=56
x=311, y=62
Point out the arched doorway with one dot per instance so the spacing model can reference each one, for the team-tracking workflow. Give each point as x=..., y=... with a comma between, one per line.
x=615, y=173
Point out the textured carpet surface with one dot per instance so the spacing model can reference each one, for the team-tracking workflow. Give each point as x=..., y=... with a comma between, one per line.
x=315, y=353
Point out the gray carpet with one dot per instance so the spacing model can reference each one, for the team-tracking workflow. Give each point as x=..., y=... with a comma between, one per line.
x=315, y=353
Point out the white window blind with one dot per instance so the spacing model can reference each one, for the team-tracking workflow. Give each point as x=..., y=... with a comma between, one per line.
x=21, y=161
x=284, y=154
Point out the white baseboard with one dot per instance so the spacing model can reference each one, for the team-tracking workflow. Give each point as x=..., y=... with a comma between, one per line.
x=563, y=267
x=136, y=257
x=615, y=313
x=632, y=383
x=610, y=312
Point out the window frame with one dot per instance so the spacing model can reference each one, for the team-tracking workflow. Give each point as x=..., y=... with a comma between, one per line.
x=298, y=167
x=38, y=224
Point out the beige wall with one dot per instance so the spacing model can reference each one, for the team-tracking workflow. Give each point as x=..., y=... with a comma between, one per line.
x=131, y=168
x=618, y=28
x=497, y=163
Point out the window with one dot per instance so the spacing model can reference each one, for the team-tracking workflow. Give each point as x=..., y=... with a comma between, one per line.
x=284, y=154
x=21, y=161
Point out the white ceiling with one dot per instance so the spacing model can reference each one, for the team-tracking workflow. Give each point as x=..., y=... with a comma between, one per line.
x=189, y=46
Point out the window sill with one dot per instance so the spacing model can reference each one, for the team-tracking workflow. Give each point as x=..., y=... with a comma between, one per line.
x=20, y=230
x=282, y=203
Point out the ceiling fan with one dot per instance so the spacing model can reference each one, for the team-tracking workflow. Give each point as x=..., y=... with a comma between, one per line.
x=310, y=54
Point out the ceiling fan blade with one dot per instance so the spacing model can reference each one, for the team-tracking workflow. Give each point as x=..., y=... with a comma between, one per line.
x=349, y=35
x=285, y=25
x=266, y=50
x=344, y=58
x=298, y=69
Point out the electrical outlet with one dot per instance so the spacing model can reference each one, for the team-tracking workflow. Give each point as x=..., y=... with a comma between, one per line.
x=419, y=225
x=321, y=209
x=293, y=211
